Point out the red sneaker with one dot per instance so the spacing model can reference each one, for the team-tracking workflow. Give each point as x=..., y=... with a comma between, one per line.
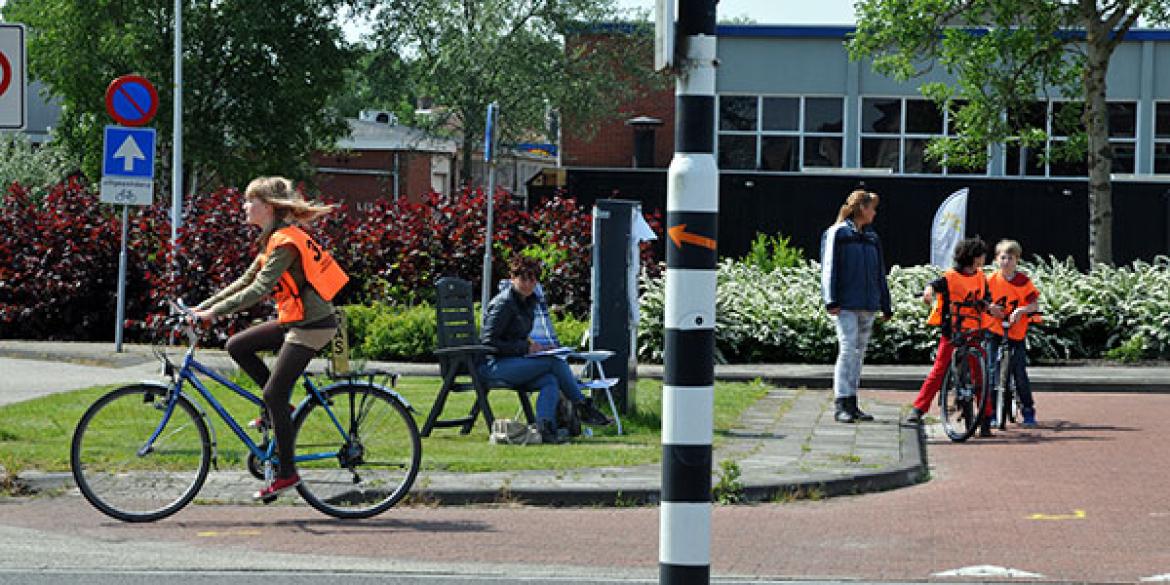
x=279, y=485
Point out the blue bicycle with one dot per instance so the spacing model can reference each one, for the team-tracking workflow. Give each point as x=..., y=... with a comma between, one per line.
x=142, y=452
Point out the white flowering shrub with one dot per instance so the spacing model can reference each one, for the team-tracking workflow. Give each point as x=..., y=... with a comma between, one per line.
x=778, y=316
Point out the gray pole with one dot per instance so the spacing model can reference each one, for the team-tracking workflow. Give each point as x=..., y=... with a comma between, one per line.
x=692, y=214
x=490, y=158
x=121, y=283
x=177, y=134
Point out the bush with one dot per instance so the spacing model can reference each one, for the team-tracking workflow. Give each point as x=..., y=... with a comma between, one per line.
x=36, y=169
x=59, y=254
x=771, y=252
x=1119, y=312
x=400, y=333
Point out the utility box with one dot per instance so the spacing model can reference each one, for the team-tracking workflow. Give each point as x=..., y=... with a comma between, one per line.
x=618, y=228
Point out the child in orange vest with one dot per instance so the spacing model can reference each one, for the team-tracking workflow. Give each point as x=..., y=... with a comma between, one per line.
x=1019, y=297
x=963, y=283
x=303, y=279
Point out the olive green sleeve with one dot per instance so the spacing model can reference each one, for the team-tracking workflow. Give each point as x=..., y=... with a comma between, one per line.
x=260, y=286
x=234, y=287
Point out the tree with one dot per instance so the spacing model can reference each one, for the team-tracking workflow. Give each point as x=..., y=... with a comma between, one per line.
x=378, y=80
x=256, y=79
x=467, y=53
x=1005, y=54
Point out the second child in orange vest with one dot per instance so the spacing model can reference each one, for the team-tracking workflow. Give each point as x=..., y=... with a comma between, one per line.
x=302, y=278
x=1019, y=297
x=964, y=283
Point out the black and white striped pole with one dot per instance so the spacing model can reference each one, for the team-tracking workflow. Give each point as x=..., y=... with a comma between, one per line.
x=692, y=213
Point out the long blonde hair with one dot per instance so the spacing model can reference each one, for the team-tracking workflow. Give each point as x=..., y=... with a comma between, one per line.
x=287, y=204
x=854, y=203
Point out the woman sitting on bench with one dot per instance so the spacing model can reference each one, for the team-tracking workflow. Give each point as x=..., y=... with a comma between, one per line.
x=507, y=322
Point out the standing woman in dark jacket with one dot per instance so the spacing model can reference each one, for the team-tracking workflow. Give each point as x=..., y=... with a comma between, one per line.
x=507, y=322
x=853, y=283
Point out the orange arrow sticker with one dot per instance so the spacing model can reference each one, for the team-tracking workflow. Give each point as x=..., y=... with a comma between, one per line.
x=679, y=234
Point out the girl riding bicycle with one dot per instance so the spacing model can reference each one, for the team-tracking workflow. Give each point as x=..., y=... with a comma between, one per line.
x=965, y=283
x=303, y=279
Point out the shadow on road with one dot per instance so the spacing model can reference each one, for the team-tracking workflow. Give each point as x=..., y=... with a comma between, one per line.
x=326, y=526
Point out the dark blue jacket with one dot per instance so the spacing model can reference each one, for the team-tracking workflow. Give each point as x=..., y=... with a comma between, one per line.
x=853, y=272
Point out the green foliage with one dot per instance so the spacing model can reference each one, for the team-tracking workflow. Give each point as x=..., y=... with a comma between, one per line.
x=468, y=54
x=36, y=168
x=729, y=489
x=398, y=333
x=1131, y=351
x=256, y=78
x=778, y=317
x=570, y=330
x=771, y=252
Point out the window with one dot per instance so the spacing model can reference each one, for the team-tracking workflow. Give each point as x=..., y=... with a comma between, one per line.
x=895, y=133
x=1061, y=120
x=776, y=133
x=1162, y=138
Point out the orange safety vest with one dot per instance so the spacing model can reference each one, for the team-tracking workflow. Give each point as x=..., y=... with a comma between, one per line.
x=321, y=271
x=1011, y=297
x=960, y=288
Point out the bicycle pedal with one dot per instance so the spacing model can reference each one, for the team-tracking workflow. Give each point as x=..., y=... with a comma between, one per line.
x=269, y=499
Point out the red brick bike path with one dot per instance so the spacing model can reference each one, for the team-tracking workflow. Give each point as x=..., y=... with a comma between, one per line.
x=1084, y=497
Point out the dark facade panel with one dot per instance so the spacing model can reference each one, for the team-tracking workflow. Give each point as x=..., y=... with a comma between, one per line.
x=1048, y=217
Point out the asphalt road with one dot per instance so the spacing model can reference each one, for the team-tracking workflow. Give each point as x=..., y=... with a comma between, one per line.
x=1082, y=498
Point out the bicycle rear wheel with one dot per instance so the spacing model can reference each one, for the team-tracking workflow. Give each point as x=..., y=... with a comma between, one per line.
x=367, y=465
x=964, y=394
x=124, y=476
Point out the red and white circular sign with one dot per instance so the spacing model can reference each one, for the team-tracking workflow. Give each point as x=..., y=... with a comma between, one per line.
x=5, y=73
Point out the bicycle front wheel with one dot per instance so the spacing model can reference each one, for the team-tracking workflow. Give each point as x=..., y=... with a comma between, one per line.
x=359, y=456
x=964, y=394
x=124, y=474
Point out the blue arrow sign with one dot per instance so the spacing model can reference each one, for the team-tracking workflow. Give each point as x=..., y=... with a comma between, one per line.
x=128, y=152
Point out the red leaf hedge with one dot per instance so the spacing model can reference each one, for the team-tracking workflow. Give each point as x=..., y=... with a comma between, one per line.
x=59, y=257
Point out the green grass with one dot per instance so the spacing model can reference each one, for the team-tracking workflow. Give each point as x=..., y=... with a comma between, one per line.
x=36, y=434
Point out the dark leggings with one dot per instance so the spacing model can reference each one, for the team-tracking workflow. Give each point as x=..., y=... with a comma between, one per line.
x=277, y=384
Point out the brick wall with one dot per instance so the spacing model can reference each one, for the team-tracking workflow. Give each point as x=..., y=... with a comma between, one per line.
x=612, y=144
x=414, y=174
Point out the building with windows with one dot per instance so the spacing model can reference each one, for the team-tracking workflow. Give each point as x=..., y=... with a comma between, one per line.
x=799, y=125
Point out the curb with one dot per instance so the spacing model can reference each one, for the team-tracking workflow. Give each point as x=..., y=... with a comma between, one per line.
x=912, y=472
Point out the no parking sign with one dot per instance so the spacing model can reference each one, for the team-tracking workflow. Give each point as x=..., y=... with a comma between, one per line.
x=131, y=100
x=12, y=77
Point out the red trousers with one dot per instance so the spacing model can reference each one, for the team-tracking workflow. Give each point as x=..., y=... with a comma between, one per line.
x=934, y=380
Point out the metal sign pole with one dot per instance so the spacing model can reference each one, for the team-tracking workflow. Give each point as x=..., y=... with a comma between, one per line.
x=489, y=158
x=121, y=283
x=177, y=133
x=692, y=216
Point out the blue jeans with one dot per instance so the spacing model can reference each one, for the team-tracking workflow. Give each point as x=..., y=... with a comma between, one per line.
x=853, y=331
x=550, y=375
x=1018, y=365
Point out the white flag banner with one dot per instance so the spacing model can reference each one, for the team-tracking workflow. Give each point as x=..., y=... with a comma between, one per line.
x=950, y=223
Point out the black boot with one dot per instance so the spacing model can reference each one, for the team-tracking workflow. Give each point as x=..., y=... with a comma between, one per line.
x=985, y=426
x=843, y=414
x=589, y=413
x=549, y=434
x=856, y=411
